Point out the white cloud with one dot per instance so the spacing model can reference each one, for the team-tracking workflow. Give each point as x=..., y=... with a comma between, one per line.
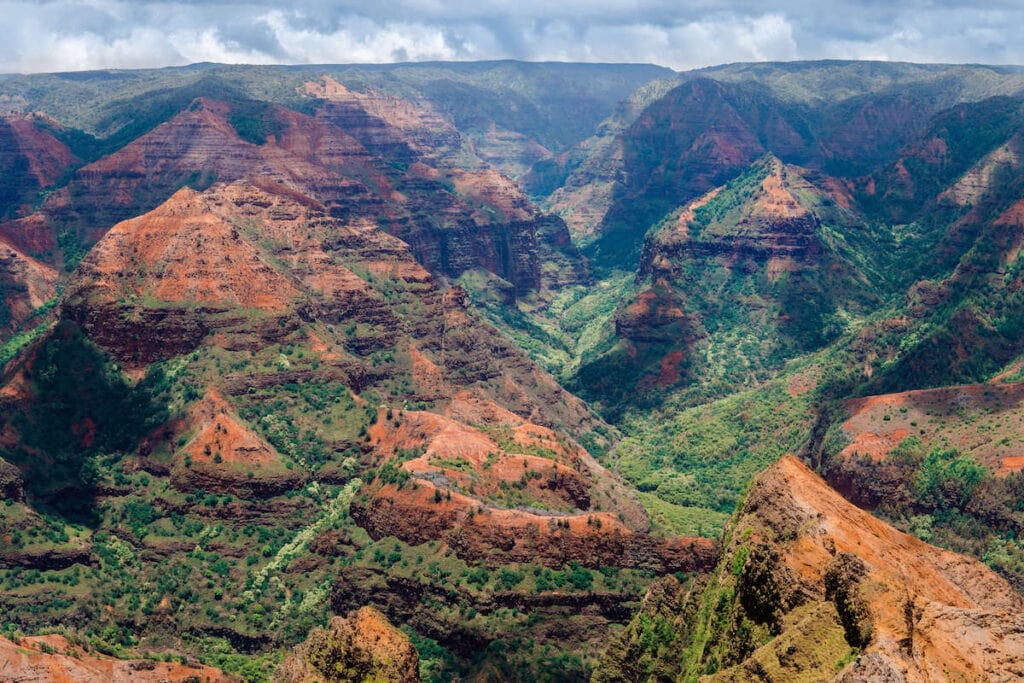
x=82, y=34
x=361, y=40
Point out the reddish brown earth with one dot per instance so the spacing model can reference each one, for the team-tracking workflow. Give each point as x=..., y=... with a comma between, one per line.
x=225, y=456
x=31, y=158
x=985, y=421
x=656, y=315
x=774, y=227
x=385, y=124
x=695, y=138
x=494, y=536
x=31, y=234
x=52, y=659
x=470, y=459
x=509, y=491
x=454, y=221
x=26, y=285
x=764, y=233
x=47, y=158
x=595, y=165
x=241, y=265
x=511, y=153
x=971, y=188
x=927, y=614
x=871, y=131
x=183, y=251
x=197, y=146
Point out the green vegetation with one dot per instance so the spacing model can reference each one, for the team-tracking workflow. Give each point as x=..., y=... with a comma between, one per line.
x=712, y=363
x=702, y=457
x=13, y=346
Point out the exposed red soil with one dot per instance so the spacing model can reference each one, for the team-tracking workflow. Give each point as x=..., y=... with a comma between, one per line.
x=982, y=420
x=184, y=252
x=688, y=214
x=670, y=370
x=414, y=124
x=499, y=536
x=468, y=459
x=775, y=201
x=224, y=455
x=218, y=432
x=492, y=189
x=62, y=662
x=1013, y=216
x=31, y=234
x=47, y=157
x=462, y=477
x=26, y=283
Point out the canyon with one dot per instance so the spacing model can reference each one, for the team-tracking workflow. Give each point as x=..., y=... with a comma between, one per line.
x=509, y=371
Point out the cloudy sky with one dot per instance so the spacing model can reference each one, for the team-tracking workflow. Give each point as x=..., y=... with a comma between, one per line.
x=59, y=35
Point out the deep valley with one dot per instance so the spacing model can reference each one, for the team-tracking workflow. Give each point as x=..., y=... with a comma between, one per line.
x=509, y=371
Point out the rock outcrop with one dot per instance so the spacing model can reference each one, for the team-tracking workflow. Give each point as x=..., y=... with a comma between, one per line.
x=388, y=126
x=362, y=647
x=363, y=156
x=12, y=485
x=811, y=585
x=225, y=456
x=756, y=258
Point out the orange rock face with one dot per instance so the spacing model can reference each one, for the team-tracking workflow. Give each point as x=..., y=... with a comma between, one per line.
x=183, y=251
x=386, y=125
x=31, y=158
x=54, y=659
x=934, y=615
x=343, y=157
x=363, y=646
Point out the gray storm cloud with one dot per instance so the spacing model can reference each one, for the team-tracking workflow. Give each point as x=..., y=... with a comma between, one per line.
x=63, y=35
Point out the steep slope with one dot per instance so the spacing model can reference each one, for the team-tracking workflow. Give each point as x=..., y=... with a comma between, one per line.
x=845, y=118
x=508, y=491
x=31, y=159
x=948, y=147
x=579, y=183
x=455, y=220
x=699, y=135
x=389, y=127
x=979, y=420
x=25, y=286
x=551, y=104
x=812, y=588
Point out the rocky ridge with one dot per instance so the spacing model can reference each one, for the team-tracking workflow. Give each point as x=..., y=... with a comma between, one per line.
x=800, y=565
